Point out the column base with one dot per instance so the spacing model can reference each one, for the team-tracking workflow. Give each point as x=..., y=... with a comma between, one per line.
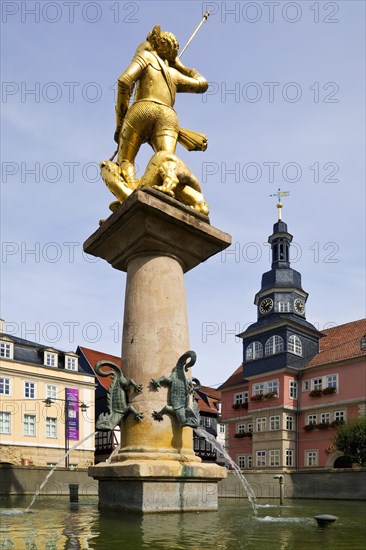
x=158, y=486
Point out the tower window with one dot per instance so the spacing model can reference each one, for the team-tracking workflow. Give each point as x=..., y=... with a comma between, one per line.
x=294, y=345
x=274, y=345
x=254, y=351
x=283, y=307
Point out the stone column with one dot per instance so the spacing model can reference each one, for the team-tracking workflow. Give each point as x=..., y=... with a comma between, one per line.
x=155, y=335
x=156, y=240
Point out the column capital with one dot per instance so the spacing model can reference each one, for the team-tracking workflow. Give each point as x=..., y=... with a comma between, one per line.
x=150, y=223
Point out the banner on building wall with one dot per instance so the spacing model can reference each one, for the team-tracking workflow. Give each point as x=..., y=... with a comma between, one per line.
x=72, y=411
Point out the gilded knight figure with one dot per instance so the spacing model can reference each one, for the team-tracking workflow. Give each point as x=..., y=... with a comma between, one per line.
x=155, y=75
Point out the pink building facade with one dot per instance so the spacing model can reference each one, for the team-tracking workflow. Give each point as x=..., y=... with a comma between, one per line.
x=296, y=384
x=294, y=427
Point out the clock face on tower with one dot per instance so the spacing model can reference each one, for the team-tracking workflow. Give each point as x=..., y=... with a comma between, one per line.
x=266, y=305
x=299, y=306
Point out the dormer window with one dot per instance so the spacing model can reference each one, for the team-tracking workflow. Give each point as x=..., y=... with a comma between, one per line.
x=294, y=345
x=254, y=351
x=6, y=349
x=71, y=363
x=283, y=306
x=274, y=345
x=50, y=359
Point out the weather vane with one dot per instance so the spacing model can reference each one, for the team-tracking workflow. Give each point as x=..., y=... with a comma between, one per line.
x=279, y=196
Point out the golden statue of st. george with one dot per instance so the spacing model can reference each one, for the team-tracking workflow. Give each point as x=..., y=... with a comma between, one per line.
x=156, y=74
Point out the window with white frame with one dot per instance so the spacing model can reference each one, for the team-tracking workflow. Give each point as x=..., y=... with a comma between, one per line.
x=240, y=429
x=5, y=426
x=205, y=421
x=332, y=381
x=4, y=386
x=258, y=389
x=51, y=391
x=294, y=345
x=339, y=416
x=293, y=389
x=196, y=444
x=254, y=351
x=261, y=424
x=71, y=363
x=325, y=418
x=249, y=461
x=289, y=457
x=272, y=386
x=289, y=422
x=265, y=387
x=311, y=458
x=274, y=457
x=50, y=359
x=51, y=427
x=274, y=422
x=317, y=383
x=283, y=306
x=250, y=427
x=30, y=390
x=241, y=461
x=312, y=419
x=305, y=385
x=274, y=345
x=260, y=458
x=222, y=428
x=240, y=398
x=6, y=350
x=29, y=424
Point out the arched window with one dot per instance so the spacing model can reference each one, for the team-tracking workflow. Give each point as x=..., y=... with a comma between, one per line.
x=294, y=345
x=254, y=351
x=274, y=345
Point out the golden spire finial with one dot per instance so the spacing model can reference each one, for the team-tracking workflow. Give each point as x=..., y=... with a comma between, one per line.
x=279, y=205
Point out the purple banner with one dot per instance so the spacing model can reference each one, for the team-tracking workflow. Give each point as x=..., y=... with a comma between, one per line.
x=72, y=411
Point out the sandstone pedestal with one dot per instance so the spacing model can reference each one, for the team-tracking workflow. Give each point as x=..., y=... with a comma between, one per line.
x=156, y=240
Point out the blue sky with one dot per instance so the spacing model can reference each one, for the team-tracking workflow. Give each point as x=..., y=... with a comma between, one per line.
x=285, y=108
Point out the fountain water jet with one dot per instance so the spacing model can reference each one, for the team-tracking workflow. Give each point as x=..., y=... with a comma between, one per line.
x=54, y=468
x=246, y=485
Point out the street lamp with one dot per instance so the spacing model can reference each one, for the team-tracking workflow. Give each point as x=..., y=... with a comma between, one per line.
x=280, y=478
x=83, y=407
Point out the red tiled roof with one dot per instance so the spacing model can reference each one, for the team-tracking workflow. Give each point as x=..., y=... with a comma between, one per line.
x=93, y=356
x=340, y=343
x=207, y=399
x=211, y=392
x=234, y=379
